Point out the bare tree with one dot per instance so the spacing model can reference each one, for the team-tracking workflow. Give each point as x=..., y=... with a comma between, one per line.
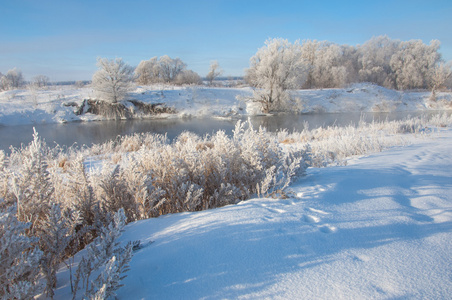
x=214, y=71
x=113, y=79
x=41, y=81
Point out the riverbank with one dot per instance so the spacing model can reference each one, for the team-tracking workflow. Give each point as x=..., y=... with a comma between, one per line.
x=61, y=104
x=377, y=228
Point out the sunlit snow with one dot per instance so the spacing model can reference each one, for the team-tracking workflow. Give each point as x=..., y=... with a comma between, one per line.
x=379, y=228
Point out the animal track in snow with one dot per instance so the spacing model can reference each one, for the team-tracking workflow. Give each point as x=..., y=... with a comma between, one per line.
x=312, y=191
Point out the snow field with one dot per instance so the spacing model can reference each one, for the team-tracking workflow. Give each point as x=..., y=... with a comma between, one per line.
x=376, y=229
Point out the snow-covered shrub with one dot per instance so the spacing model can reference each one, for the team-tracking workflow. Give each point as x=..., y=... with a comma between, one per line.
x=19, y=258
x=80, y=197
x=105, y=250
x=3, y=175
x=30, y=181
x=193, y=173
x=441, y=120
x=114, y=193
x=333, y=145
x=57, y=232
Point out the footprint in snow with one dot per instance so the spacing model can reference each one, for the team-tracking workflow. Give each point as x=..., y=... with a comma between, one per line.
x=318, y=211
x=327, y=229
x=311, y=219
x=276, y=210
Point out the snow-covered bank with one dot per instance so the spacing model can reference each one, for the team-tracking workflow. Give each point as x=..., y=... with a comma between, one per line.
x=378, y=228
x=59, y=104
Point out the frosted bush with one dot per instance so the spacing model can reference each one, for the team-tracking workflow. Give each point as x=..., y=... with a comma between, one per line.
x=105, y=250
x=19, y=259
x=195, y=173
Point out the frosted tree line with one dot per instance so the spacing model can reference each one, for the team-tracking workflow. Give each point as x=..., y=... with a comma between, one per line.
x=165, y=70
x=386, y=62
x=280, y=66
x=14, y=79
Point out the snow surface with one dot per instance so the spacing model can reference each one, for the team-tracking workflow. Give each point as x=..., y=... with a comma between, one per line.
x=378, y=228
x=55, y=104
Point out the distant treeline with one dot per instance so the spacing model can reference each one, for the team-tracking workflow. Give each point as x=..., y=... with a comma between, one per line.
x=386, y=62
x=307, y=64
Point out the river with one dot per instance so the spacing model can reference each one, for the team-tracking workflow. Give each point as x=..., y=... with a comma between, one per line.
x=88, y=133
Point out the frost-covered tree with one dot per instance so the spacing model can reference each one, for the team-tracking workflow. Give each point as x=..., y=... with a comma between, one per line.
x=41, y=81
x=3, y=82
x=165, y=70
x=309, y=50
x=13, y=79
x=214, y=71
x=19, y=259
x=328, y=71
x=413, y=63
x=187, y=77
x=386, y=62
x=148, y=71
x=170, y=68
x=328, y=65
x=274, y=70
x=440, y=75
x=113, y=79
x=374, y=58
x=438, y=78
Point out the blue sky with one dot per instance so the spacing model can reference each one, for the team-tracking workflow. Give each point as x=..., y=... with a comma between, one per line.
x=63, y=38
